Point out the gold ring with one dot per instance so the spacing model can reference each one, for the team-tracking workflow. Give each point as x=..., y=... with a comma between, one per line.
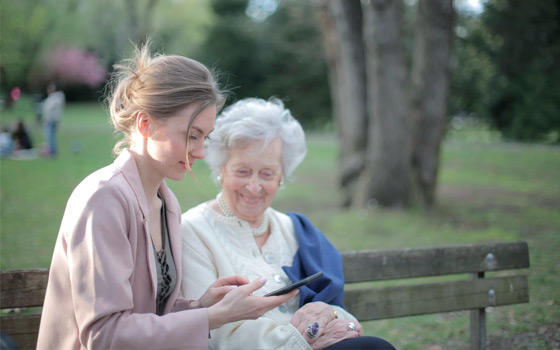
x=335, y=314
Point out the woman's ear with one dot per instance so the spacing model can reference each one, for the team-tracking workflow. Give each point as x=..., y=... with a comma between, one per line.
x=143, y=124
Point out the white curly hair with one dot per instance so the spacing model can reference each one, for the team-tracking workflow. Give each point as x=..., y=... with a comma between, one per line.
x=255, y=119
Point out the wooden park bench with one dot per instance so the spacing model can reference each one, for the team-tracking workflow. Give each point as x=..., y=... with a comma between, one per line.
x=26, y=288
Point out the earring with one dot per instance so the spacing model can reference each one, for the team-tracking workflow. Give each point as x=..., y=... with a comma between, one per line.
x=219, y=179
x=281, y=183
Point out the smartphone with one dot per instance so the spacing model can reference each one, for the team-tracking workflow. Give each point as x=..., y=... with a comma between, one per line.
x=295, y=285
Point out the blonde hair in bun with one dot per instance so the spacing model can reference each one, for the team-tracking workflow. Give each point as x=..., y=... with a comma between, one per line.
x=159, y=85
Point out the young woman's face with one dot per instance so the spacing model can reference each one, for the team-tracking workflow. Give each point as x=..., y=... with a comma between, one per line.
x=168, y=145
x=251, y=178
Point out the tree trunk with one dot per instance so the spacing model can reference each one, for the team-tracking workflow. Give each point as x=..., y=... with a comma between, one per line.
x=387, y=176
x=431, y=81
x=342, y=28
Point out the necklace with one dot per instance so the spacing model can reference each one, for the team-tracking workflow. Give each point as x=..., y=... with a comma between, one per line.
x=256, y=231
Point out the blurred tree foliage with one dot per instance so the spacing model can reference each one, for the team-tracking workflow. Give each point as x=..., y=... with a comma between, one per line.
x=281, y=56
x=23, y=24
x=507, y=68
x=32, y=29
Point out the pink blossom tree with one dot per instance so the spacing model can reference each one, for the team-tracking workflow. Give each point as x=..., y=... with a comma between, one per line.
x=72, y=66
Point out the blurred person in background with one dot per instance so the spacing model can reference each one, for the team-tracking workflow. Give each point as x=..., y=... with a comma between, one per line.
x=38, y=107
x=22, y=140
x=11, y=97
x=255, y=147
x=116, y=271
x=6, y=142
x=52, y=108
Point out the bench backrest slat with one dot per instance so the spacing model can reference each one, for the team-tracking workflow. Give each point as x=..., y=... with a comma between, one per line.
x=410, y=300
x=23, y=288
x=377, y=265
x=23, y=329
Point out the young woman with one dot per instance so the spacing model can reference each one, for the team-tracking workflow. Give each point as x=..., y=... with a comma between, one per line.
x=116, y=270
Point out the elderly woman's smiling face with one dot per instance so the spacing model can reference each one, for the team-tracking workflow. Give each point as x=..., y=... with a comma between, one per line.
x=251, y=177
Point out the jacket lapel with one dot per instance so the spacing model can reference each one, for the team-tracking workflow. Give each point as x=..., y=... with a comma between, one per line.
x=173, y=224
x=126, y=164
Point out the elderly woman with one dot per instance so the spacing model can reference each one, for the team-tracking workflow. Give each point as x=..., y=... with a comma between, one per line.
x=255, y=146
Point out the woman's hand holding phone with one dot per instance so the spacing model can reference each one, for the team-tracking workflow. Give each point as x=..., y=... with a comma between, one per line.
x=218, y=290
x=295, y=285
x=240, y=304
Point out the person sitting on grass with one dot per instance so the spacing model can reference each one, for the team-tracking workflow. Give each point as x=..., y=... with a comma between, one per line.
x=21, y=137
x=6, y=142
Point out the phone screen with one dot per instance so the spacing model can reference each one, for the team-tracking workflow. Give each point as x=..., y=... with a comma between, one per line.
x=295, y=285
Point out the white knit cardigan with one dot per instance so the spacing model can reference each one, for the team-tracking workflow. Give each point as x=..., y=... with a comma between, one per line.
x=216, y=246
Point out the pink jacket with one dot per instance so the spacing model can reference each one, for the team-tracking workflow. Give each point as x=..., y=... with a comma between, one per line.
x=102, y=285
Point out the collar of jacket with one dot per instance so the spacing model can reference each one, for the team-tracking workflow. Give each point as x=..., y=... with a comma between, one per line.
x=126, y=164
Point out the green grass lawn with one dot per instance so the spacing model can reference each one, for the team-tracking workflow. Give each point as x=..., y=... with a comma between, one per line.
x=488, y=190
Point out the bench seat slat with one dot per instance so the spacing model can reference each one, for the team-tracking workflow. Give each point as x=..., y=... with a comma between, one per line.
x=377, y=265
x=389, y=302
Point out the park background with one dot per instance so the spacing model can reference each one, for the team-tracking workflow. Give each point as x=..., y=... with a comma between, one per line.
x=498, y=178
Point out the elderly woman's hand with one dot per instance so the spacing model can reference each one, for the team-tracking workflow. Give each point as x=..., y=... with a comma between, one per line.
x=218, y=290
x=305, y=318
x=337, y=330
